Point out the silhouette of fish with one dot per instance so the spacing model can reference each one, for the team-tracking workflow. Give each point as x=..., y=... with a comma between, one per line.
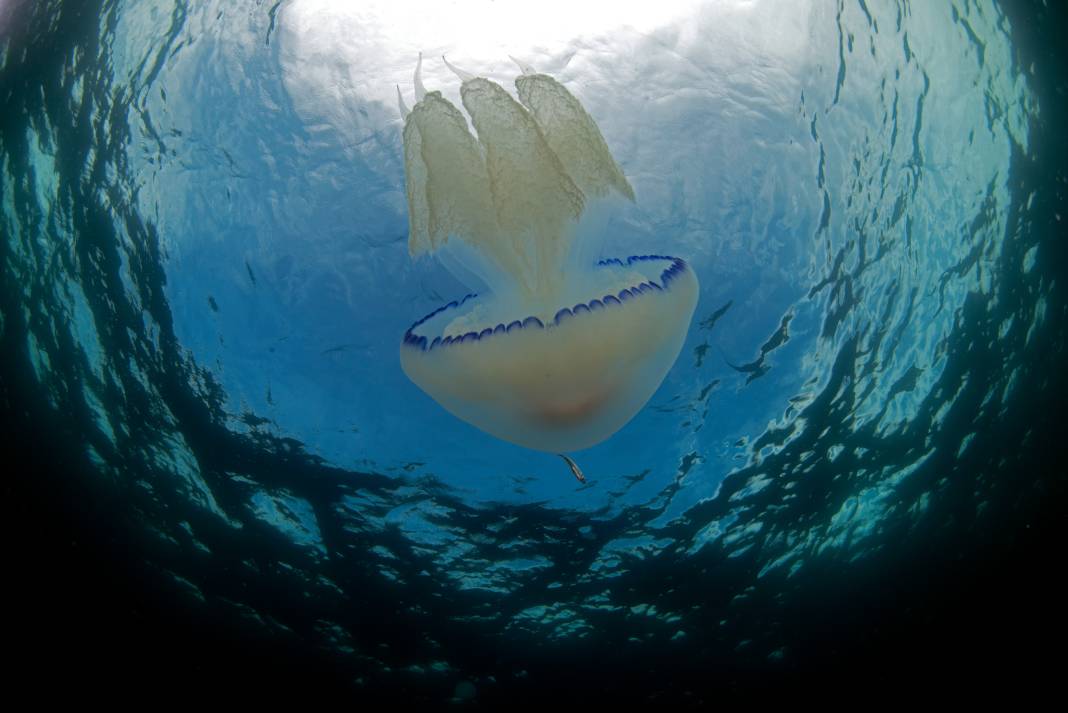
x=574, y=468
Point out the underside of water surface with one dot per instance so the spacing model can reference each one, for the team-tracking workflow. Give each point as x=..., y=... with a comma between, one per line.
x=219, y=477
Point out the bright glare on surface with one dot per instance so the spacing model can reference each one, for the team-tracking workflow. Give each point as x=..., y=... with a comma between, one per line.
x=380, y=40
x=485, y=27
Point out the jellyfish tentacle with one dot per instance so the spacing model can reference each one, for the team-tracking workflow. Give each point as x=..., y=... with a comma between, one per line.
x=420, y=90
x=464, y=76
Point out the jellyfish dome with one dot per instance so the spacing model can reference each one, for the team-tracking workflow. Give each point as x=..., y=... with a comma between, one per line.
x=559, y=348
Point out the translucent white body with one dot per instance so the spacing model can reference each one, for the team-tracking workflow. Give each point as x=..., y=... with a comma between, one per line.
x=558, y=352
x=562, y=386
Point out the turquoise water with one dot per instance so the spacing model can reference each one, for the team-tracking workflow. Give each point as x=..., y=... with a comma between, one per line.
x=852, y=466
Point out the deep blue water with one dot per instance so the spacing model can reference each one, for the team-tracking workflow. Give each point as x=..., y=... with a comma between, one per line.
x=218, y=479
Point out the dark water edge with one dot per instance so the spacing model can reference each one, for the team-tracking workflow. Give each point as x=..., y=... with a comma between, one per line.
x=982, y=612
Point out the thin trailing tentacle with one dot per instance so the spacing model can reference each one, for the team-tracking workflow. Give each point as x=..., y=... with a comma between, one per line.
x=523, y=66
x=420, y=90
x=464, y=76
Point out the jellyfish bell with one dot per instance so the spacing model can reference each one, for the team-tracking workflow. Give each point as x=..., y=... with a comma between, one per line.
x=562, y=383
x=557, y=350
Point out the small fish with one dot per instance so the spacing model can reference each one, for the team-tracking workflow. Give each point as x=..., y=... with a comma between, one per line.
x=574, y=468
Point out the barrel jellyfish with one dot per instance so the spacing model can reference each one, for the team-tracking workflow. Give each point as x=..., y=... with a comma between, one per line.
x=559, y=348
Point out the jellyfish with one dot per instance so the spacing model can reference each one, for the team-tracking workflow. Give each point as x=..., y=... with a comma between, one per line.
x=558, y=347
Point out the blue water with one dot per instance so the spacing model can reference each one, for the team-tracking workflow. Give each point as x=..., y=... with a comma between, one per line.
x=222, y=479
